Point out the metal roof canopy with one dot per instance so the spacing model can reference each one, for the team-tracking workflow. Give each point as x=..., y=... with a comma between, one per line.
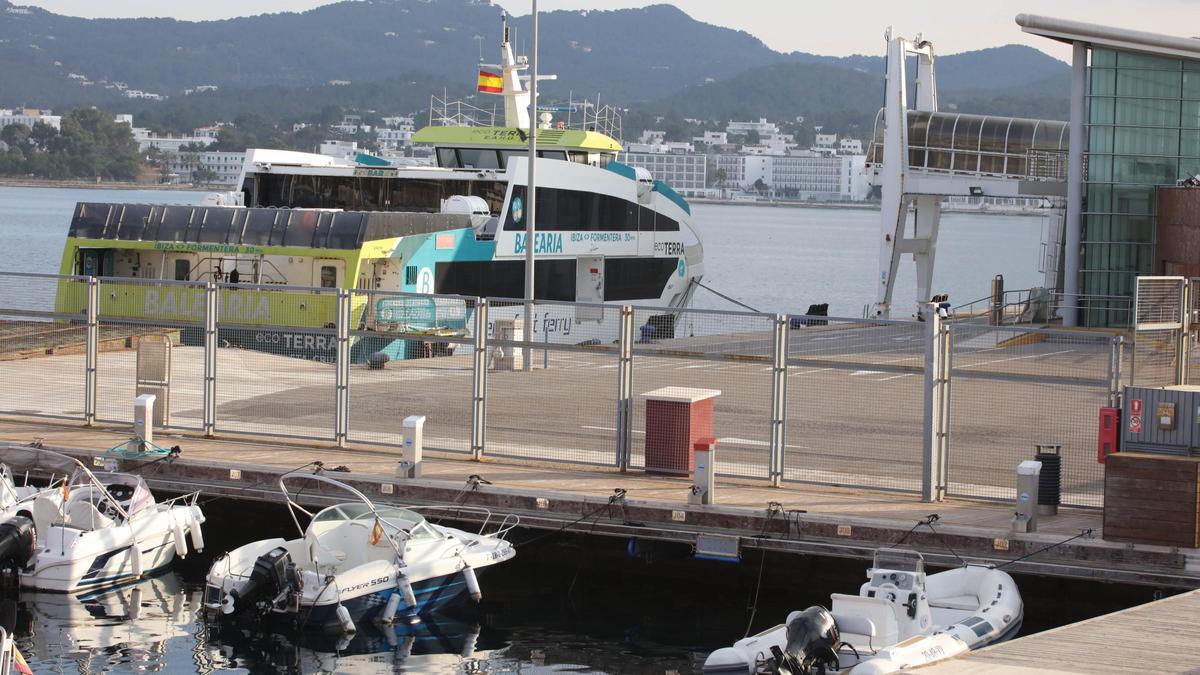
x=1065, y=30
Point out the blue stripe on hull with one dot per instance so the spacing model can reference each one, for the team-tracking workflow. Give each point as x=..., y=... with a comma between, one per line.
x=431, y=594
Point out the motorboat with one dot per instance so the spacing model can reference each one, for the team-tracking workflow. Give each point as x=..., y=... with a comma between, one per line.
x=95, y=530
x=900, y=619
x=356, y=561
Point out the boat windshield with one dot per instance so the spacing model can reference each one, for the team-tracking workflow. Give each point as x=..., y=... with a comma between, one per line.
x=901, y=560
x=396, y=517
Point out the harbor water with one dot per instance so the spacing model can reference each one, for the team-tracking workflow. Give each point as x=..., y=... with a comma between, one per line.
x=567, y=603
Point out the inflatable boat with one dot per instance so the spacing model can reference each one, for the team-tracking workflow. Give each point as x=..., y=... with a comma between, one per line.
x=900, y=619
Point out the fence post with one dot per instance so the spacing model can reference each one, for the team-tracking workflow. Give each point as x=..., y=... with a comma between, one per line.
x=92, y=340
x=341, y=416
x=1181, y=346
x=1116, y=356
x=779, y=375
x=933, y=455
x=479, y=380
x=211, y=298
x=625, y=389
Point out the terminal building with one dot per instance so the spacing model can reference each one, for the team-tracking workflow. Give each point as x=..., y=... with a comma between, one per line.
x=1135, y=108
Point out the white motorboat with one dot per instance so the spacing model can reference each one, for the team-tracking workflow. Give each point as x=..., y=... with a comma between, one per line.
x=900, y=619
x=356, y=561
x=94, y=531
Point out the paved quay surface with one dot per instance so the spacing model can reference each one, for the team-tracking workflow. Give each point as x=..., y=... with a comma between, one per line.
x=810, y=519
x=1157, y=637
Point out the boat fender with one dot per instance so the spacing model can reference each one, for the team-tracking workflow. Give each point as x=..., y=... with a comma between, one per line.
x=135, y=560
x=389, y=610
x=472, y=583
x=343, y=617
x=135, y=603
x=197, y=535
x=180, y=541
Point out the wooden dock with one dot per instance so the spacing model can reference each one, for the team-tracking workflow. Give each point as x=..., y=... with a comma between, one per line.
x=799, y=518
x=1158, y=637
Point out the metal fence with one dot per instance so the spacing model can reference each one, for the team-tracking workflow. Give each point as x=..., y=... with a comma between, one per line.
x=922, y=407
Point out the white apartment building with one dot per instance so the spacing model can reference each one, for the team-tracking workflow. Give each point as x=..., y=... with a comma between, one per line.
x=393, y=139
x=850, y=146
x=29, y=117
x=686, y=173
x=810, y=176
x=226, y=165
x=712, y=138
x=762, y=126
x=346, y=150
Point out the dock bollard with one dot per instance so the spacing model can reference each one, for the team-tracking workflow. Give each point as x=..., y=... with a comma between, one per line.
x=705, y=452
x=1028, y=474
x=410, y=452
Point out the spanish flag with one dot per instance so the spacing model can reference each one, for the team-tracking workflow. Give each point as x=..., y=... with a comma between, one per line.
x=490, y=83
x=376, y=532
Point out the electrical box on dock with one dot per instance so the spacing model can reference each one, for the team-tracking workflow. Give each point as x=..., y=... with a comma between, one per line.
x=1161, y=420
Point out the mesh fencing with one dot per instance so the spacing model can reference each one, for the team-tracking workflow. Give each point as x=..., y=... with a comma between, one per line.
x=855, y=402
x=43, y=337
x=151, y=342
x=411, y=355
x=275, y=360
x=718, y=359
x=1158, y=321
x=1012, y=389
x=564, y=406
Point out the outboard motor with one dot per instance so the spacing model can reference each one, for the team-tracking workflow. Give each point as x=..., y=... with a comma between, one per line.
x=812, y=644
x=273, y=584
x=18, y=544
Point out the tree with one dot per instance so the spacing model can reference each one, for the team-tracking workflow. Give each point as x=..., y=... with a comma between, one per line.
x=752, y=138
x=43, y=134
x=16, y=136
x=760, y=186
x=720, y=176
x=203, y=175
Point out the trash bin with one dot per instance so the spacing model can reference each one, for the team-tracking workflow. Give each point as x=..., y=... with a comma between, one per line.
x=1050, y=481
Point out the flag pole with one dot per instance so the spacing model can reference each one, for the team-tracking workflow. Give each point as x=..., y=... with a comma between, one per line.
x=531, y=192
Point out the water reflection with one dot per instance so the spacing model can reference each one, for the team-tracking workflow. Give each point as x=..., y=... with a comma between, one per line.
x=121, y=629
x=435, y=645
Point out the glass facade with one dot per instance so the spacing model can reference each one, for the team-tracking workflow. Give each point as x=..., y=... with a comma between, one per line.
x=1143, y=131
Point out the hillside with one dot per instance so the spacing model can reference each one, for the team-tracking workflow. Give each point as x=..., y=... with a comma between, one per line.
x=395, y=53
x=660, y=46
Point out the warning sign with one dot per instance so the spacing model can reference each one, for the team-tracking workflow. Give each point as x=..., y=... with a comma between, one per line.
x=1135, y=424
x=1135, y=407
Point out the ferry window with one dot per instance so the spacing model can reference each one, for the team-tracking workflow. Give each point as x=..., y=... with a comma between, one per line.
x=258, y=228
x=576, y=210
x=506, y=155
x=637, y=278
x=471, y=158
x=301, y=228
x=90, y=220
x=665, y=224
x=346, y=230
x=447, y=159
x=552, y=154
x=173, y=224
x=214, y=227
x=137, y=221
x=553, y=279
x=183, y=270
x=328, y=276
x=578, y=157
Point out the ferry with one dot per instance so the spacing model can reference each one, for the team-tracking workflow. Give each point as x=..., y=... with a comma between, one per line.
x=606, y=232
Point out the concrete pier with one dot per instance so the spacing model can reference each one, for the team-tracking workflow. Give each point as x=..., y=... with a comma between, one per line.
x=802, y=519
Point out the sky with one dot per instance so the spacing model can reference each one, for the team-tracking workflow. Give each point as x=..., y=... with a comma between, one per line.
x=830, y=28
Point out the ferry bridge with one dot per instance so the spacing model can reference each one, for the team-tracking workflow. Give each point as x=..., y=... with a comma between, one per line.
x=920, y=155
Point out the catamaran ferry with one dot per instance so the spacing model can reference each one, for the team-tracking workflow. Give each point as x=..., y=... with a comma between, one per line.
x=606, y=232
